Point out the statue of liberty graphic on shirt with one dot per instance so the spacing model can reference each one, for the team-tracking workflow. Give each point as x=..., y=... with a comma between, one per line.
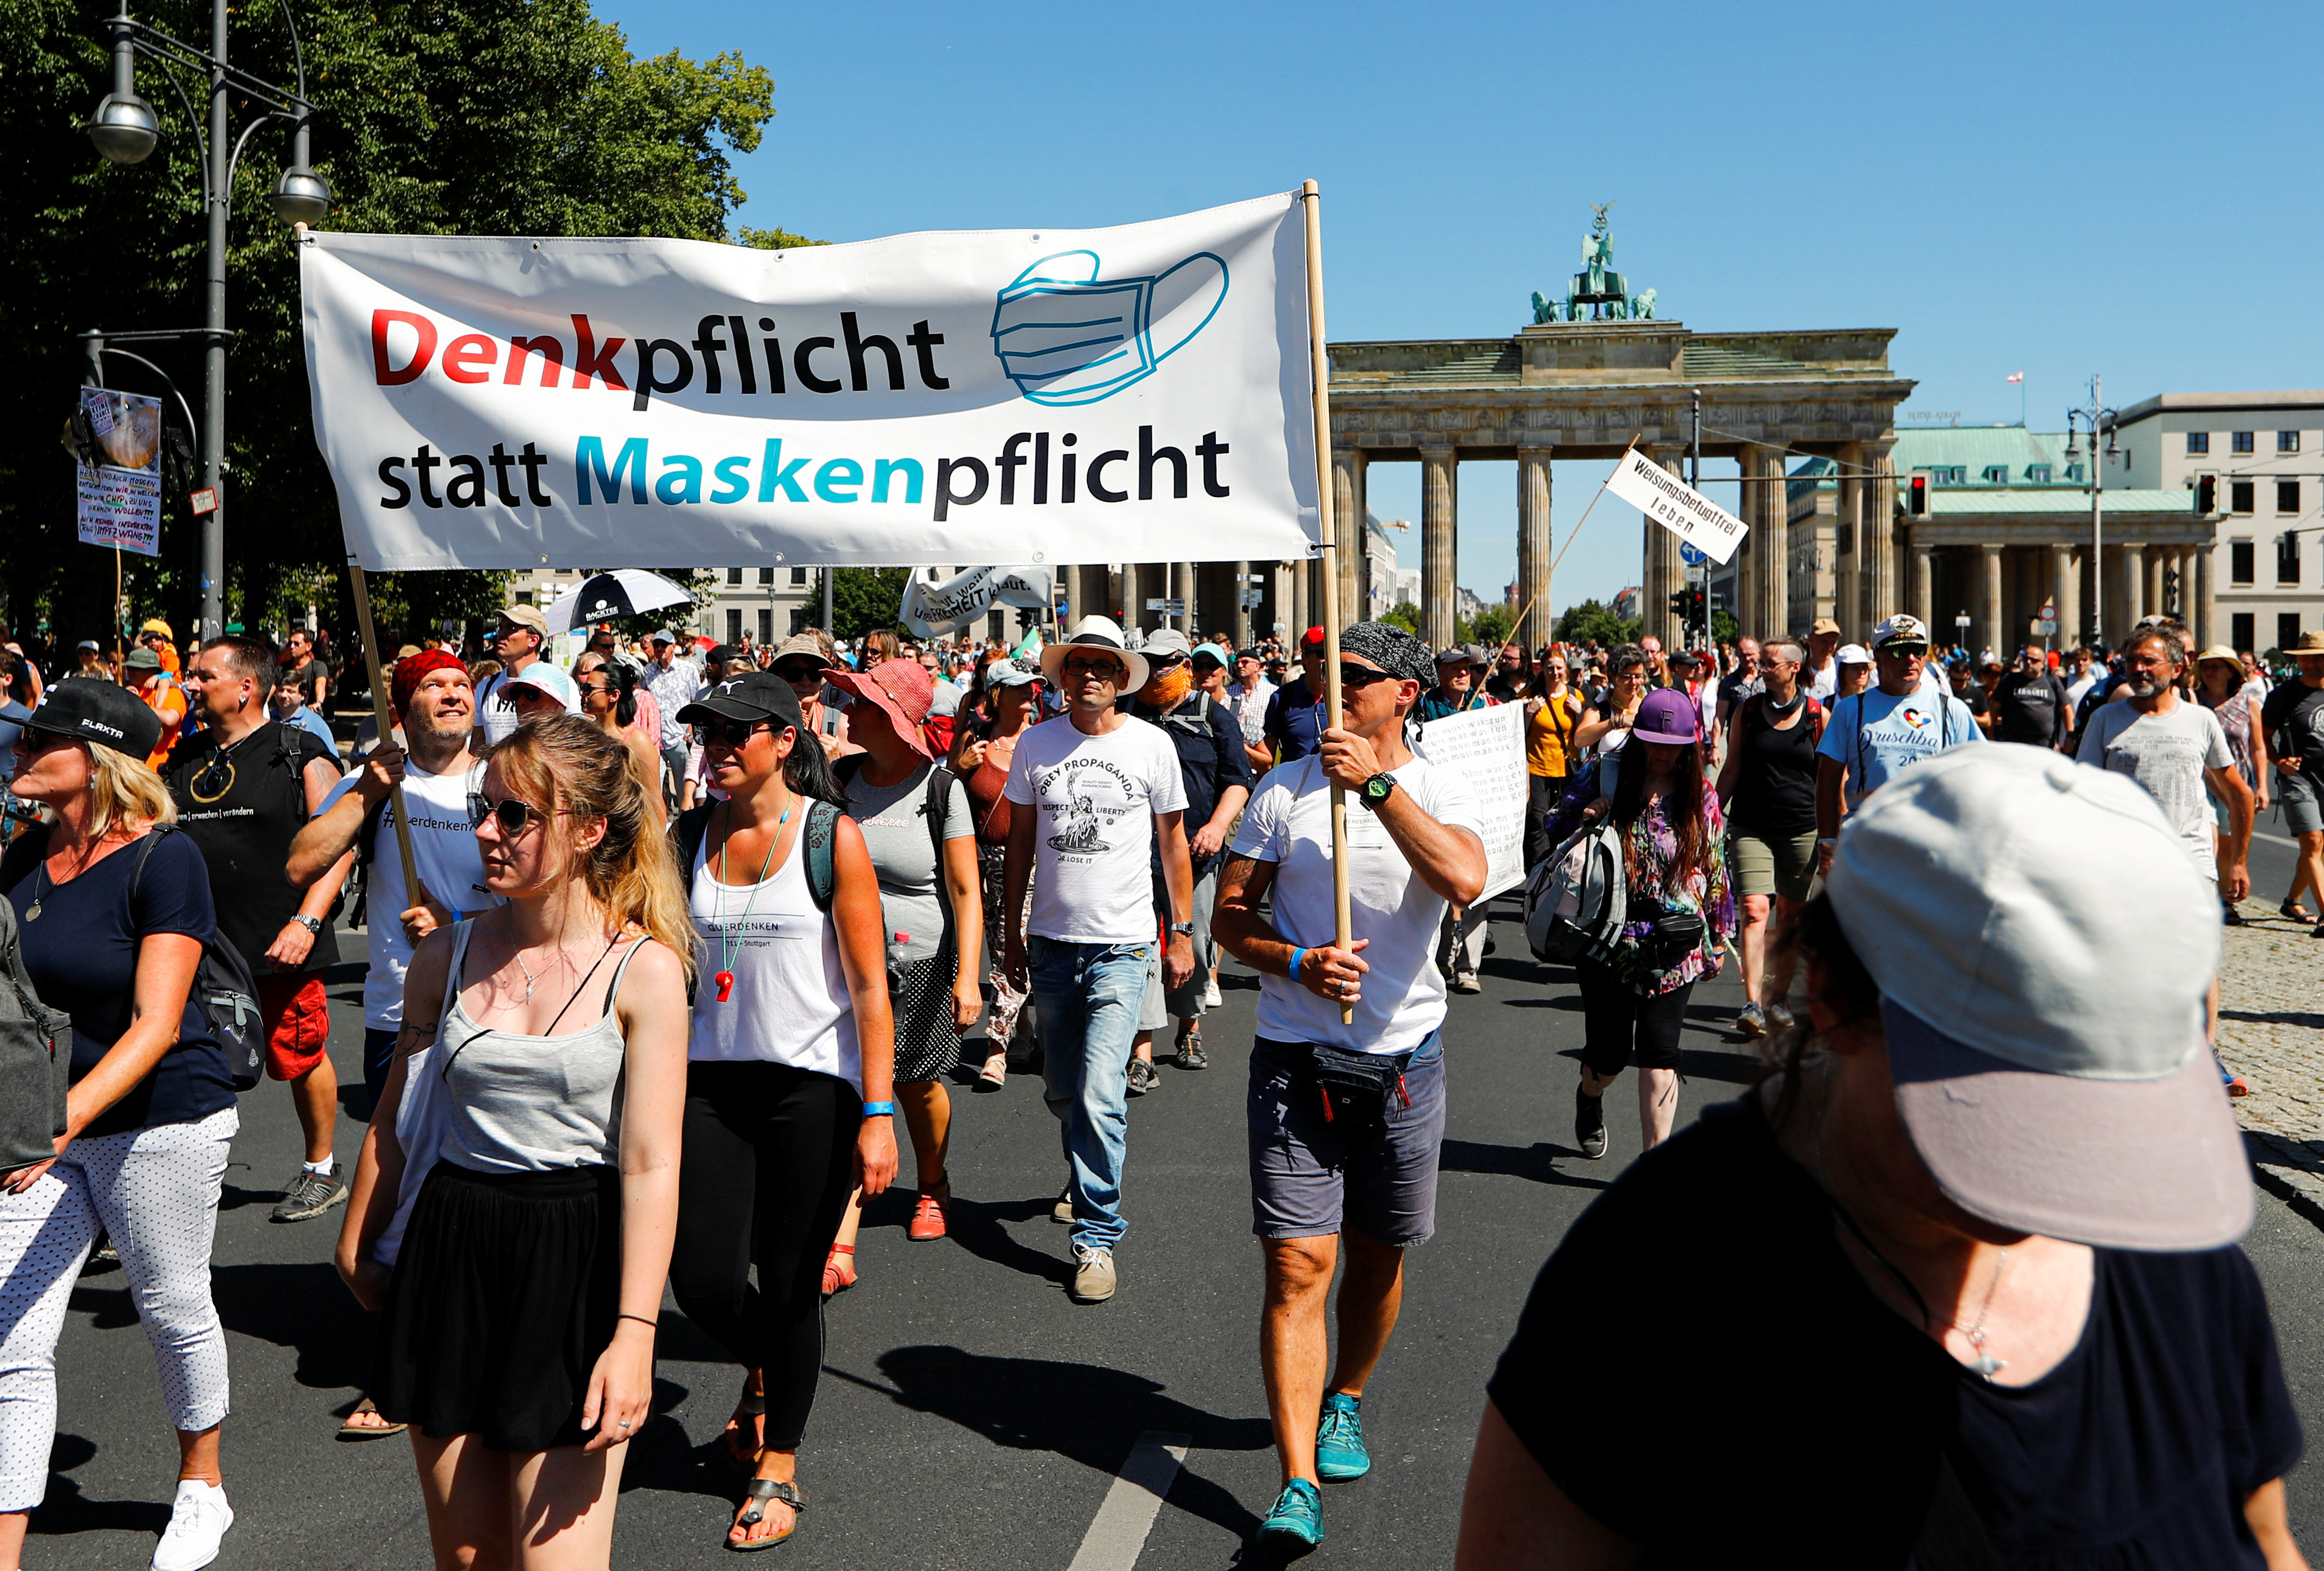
x=1081, y=830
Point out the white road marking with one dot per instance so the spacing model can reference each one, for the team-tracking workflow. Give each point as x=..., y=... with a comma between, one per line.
x=1118, y=1535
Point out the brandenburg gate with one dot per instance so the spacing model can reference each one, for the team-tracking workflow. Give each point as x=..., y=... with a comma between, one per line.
x=1586, y=380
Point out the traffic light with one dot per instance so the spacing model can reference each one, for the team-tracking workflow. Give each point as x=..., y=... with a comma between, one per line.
x=1918, y=503
x=2207, y=493
x=1681, y=604
x=2170, y=591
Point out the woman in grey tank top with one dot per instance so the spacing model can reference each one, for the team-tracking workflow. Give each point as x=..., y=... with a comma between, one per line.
x=530, y=1127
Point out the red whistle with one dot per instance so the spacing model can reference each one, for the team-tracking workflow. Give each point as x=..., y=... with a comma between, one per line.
x=726, y=980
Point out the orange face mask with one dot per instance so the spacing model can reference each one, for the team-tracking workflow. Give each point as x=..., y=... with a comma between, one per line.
x=1165, y=688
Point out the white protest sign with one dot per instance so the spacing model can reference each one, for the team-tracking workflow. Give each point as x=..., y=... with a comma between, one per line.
x=1045, y=396
x=1677, y=506
x=1487, y=748
x=119, y=503
x=931, y=609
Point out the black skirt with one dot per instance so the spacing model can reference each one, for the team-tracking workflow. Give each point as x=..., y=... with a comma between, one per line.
x=505, y=1292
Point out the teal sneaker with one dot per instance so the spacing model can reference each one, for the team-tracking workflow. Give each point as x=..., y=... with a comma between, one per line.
x=1340, y=1454
x=1297, y=1519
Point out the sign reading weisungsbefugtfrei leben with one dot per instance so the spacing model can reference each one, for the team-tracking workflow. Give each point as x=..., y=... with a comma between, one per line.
x=1041, y=396
x=1677, y=506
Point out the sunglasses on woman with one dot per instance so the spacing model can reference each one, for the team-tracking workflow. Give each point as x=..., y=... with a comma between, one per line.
x=511, y=814
x=729, y=733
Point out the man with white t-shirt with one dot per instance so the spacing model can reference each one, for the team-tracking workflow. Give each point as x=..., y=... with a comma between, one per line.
x=522, y=635
x=436, y=704
x=1102, y=786
x=1346, y=1120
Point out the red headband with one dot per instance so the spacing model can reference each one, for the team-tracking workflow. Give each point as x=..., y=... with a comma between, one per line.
x=411, y=668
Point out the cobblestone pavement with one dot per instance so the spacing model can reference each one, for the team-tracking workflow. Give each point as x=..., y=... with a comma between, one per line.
x=2272, y=1032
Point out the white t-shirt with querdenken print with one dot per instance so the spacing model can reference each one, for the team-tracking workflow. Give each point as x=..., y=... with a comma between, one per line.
x=446, y=855
x=1093, y=801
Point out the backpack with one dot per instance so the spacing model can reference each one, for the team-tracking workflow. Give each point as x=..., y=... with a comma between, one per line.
x=223, y=989
x=816, y=833
x=1576, y=899
x=1755, y=718
x=35, y=1060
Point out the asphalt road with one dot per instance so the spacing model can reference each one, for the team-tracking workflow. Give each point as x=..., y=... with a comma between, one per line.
x=971, y=1414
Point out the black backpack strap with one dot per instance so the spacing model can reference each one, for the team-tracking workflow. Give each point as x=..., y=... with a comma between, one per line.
x=688, y=829
x=145, y=851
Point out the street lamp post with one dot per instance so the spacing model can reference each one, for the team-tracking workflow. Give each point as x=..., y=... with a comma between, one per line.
x=124, y=130
x=2091, y=422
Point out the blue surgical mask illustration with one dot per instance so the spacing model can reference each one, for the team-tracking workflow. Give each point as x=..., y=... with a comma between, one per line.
x=1067, y=336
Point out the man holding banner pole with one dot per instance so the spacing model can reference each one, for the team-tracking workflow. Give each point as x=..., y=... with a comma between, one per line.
x=1346, y=1115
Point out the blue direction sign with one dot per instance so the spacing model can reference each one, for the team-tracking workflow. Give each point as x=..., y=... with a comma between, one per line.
x=1691, y=555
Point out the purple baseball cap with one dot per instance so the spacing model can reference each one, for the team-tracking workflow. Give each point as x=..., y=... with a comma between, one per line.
x=1668, y=716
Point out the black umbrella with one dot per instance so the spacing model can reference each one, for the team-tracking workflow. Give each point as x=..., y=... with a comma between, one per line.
x=603, y=597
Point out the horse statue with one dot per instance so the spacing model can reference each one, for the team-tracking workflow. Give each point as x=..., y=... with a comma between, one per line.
x=1544, y=311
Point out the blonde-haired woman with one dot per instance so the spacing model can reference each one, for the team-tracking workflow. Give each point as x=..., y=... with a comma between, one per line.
x=112, y=912
x=541, y=1083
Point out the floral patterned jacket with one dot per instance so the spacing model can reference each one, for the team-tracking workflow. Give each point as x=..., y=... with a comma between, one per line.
x=1653, y=846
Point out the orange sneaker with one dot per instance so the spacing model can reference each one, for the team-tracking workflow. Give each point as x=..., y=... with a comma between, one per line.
x=927, y=1222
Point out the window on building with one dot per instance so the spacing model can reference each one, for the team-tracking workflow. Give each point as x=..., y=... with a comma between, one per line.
x=524, y=596
x=1996, y=474
x=1843, y=537
x=993, y=626
x=2240, y=629
x=2198, y=442
x=798, y=576
x=2287, y=628
x=1948, y=474
x=2240, y=494
x=2241, y=442
x=2239, y=561
x=734, y=574
x=766, y=575
x=766, y=624
x=2037, y=473
x=2287, y=495
x=735, y=622
x=2287, y=442
x=2287, y=559
x=2073, y=473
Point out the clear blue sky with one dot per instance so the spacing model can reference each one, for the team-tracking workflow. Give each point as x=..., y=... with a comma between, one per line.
x=2071, y=188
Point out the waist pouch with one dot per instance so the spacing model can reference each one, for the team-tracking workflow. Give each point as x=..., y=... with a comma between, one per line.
x=1676, y=935
x=1354, y=1087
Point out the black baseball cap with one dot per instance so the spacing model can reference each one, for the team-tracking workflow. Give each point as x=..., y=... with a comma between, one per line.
x=100, y=712
x=752, y=695
x=723, y=654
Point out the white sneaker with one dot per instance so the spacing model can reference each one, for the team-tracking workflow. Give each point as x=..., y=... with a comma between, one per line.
x=1210, y=999
x=198, y=1519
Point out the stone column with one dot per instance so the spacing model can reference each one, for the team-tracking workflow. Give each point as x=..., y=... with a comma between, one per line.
x=1875, y=546
x=1775, y=542
x=1533, y=545
x=1924, y=585
x=2151, y=597
x=2187, y=604
x=2206, y=621
x=1300, y=620
x=2063, y=583
x=1188, y=587
x=1348, y=505
x=2133, y=559
x=1240, y=619
x=1848, y=525
x=1988, y=621
x=1672, y=575
x=1439, y=521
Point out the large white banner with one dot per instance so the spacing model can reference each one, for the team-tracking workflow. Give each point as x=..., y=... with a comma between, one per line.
x=1045, y=396
x=1677, y=506
x=932, y=610
x=1487, y=747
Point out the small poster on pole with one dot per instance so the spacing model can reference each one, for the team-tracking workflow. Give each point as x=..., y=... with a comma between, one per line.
x=120, y=500
x=1677, y=506
x=1487, y=747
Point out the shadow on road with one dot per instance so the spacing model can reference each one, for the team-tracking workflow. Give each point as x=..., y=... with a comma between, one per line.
x=976, y=1226
x=66, y=1509
x=303, y=1307
x=1537, y=1162
x=1090, y=1414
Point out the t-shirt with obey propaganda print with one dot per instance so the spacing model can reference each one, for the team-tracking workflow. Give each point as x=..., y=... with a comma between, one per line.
x=1093, y=801
x=444, y=853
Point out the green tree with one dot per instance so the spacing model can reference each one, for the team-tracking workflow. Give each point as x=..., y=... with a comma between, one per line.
x=1589, y=620
x=1405, y=615
x=437, y=117
x=867, y=599
x=1492, y=626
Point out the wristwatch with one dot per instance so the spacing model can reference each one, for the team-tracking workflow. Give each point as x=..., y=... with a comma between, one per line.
x=1186, y=927
x=1377, y=790
x=314, y=925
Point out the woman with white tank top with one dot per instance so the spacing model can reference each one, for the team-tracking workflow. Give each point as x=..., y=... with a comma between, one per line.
x=789, y=1088
x=542, y=1052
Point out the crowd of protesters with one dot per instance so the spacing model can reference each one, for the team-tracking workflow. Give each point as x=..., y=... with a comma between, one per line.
x=662, y=943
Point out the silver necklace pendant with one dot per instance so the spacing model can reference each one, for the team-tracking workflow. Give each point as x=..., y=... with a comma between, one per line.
x=1987, y=1365
x=32, y=911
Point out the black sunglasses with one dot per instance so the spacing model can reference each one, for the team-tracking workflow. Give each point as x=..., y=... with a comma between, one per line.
x=798, y=670
x=1360, y=676
x=513, y=814
x=731, y=733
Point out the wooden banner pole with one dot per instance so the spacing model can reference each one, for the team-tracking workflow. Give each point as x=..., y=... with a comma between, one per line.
x=385, y=721
x=1327, y=536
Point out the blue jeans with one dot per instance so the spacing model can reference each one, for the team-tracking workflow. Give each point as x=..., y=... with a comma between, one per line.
x=1089, y=996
